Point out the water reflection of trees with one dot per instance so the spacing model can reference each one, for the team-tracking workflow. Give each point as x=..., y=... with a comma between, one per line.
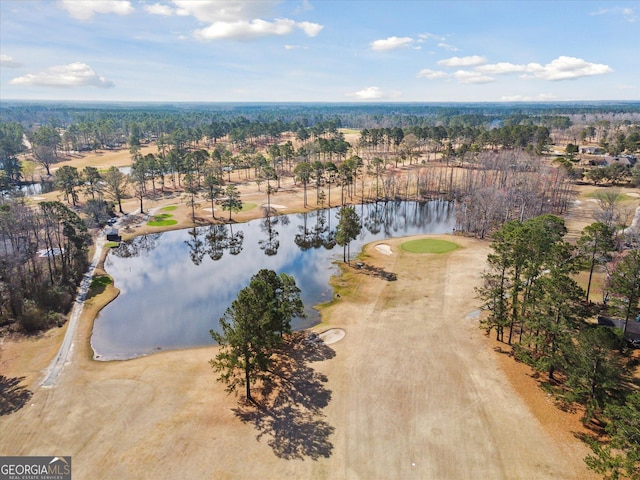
x=137, y=246
x=196, y=246
x=387, y=218
x=316, y=236
x=271, y=244
x=398, y=216
x=214, y=241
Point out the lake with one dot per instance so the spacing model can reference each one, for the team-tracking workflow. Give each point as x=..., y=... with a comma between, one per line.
x=175, y=286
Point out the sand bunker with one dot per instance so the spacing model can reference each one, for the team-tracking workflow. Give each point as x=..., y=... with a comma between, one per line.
x=276, y=206
x=332, y=335
x=384, y=249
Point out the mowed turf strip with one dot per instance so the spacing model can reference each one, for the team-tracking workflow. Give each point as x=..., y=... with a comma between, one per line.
x=429, y=245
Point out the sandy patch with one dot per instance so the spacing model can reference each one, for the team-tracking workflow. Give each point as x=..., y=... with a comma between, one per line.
x=276, y=206
x=384, y=249
x=332, y=335
x=633, y=194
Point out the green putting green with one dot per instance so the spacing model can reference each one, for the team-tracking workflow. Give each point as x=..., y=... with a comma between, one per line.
x=162, y=223
x=162, y=220
x=248, y=206
x=169, y=208
x=429, y=245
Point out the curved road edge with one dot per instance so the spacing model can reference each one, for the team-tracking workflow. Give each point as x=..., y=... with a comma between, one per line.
x=55, y=367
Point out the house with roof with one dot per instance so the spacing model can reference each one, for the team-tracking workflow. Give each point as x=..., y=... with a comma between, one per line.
x=592, y=150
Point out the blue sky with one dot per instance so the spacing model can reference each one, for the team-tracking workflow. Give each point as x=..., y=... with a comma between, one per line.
x=319, y=50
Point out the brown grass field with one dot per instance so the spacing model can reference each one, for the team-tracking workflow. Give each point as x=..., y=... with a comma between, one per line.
x=413, y=390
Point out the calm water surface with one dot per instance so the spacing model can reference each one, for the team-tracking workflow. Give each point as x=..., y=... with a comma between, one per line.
x=175, y=286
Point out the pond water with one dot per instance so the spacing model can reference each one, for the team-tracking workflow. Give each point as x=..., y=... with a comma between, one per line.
x=30, y=189
x=175, y=286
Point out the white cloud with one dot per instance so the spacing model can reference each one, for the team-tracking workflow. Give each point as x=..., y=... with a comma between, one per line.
x=562, y=68
x=86, y=9
x=628, y=14
x=369, y=93
x=565, y=68
x=8, y=62
x=526, y=98
x=295, y=47
x=432, y=74
x=430, y=36
x=391, y=43
x=501, y=68
x=247, y=30
x=76, y=74
x=159, y=9
x=240, y=19
x=446, y=46
x=311, y=29
x=212, y=11
x=471, y=77
x=462, y=61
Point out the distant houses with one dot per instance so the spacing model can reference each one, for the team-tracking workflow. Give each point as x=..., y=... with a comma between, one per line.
x=625, y=160
x=592, y=150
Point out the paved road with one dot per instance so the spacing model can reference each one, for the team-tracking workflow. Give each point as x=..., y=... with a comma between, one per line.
x=59, y=361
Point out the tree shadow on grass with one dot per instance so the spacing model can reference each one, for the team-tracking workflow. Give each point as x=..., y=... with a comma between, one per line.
x=13, y=396
x=377, y=272
x=289, y=411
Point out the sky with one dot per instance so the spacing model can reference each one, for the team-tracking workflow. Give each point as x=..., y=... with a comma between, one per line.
x=319, y=50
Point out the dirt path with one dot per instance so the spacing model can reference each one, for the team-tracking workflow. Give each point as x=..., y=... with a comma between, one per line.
x=62, y=358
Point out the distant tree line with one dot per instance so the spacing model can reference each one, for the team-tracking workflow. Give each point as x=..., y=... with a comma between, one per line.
x=399, y=134
x=350, y=115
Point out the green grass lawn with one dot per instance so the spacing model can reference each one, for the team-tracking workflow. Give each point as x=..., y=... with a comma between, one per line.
x=248, y=206
x=169, y=208
x=162, y=220
x=429, y=245
x=98, y=285
x=101, y=281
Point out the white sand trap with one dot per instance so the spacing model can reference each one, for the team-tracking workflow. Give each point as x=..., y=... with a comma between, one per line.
x=332, y=335
x=633, y=194
x=208, y=209
x=384, y=249
x=276, y=206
